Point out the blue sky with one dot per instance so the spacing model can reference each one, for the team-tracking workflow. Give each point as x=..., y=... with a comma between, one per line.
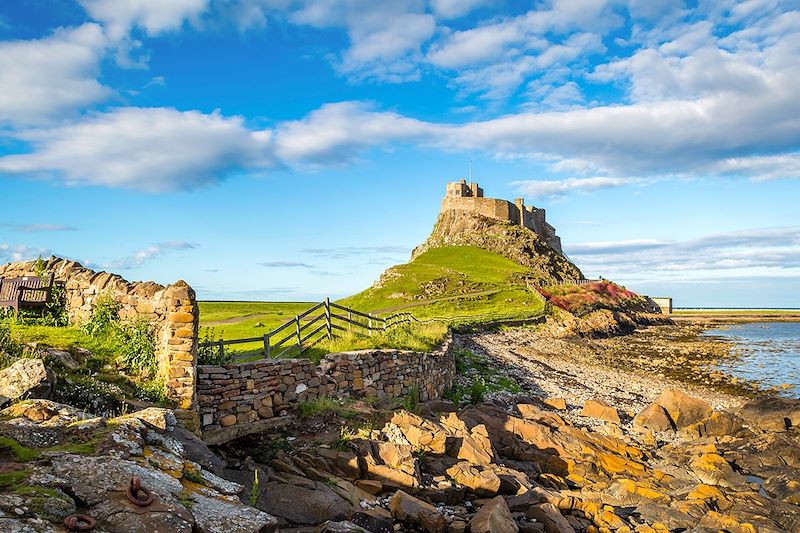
x=291, y=149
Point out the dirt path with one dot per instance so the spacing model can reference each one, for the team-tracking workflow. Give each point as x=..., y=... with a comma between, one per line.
x=434, y=300
x=233, y=320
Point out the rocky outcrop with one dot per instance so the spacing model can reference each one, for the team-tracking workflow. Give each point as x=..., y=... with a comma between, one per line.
x=461, y=228
x=26, y=378
x=66, y=462
x=529, y=469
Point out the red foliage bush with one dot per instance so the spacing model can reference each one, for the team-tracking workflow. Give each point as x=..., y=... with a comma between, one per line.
x=588, y=297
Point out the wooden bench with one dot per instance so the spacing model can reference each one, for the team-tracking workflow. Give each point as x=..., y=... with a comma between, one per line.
x=28, y=291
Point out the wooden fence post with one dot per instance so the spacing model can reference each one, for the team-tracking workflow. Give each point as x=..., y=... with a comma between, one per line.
x=297, y=329
x=221, y=349
x=349, y=320
x=370, y=325
x=266, y=346
x=328, y=317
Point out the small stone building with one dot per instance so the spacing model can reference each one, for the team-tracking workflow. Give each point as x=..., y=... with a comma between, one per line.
x=463, y=196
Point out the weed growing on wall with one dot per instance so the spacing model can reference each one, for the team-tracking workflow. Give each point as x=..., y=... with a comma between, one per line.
x=209, y=353
x=135, y=339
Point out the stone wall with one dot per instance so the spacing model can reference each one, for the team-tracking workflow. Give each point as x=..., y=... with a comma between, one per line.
x=240, y=399
x=172, y=311
x=459, y=198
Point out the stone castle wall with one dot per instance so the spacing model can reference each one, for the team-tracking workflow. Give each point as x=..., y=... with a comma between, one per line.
x=460, y=197
x=171, y=310
x=240, y=399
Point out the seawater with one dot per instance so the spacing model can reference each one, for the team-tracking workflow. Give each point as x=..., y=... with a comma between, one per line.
x=766, y=352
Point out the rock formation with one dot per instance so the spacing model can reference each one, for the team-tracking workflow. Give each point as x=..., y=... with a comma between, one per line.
x=457, y=226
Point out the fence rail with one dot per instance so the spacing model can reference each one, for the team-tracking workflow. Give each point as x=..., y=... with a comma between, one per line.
x=548, y=283
x=299, y=338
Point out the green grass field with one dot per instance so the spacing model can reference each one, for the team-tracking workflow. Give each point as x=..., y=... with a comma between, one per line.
x=454, y=284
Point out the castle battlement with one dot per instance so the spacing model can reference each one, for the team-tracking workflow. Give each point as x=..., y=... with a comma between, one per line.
x=463, y=196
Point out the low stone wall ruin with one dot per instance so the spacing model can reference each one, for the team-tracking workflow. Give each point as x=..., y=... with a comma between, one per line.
x=239, y=399
x=171, y=310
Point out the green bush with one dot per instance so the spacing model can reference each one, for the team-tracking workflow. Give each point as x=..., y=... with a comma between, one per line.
x=134, y=339
x=209, y=353
x=104, y=317
x=137, y=340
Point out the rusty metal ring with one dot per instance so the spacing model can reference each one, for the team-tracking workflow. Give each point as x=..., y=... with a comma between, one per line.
x=80, y=522
x=136, y=497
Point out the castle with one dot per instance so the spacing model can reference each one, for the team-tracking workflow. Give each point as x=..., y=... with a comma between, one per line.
x=463, y=196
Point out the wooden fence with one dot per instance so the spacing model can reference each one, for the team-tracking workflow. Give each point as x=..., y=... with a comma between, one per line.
x=544, y=283
x=307, y=329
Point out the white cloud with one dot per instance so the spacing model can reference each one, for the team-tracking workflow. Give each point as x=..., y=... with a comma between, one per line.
x=146, y=255
x=151, y=149
x=559, y=188
x=337, y=132
x=153, y=16
x=19, y=252
x=756, y=253
x=762, y=168
x=385, y=38
x=450, y=9
x=44, y=78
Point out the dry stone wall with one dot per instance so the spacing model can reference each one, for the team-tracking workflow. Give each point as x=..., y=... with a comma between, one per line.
x=239, y=399
x=171, y=310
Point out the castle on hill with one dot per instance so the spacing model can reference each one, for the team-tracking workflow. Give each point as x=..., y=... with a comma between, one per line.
x=463, y=196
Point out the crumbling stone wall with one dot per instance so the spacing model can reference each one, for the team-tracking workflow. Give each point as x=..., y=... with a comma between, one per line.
x=171, y=310
x=240, y=399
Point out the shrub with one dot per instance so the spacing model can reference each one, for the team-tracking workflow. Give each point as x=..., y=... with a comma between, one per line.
x=104, y=316
x=209, y=353
x=10, y=349
x=138, y=345
x=135, y=340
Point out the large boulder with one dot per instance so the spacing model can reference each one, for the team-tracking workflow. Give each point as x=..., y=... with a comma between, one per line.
x=26, y=378
x=311, y=504
x=682, y=409
x=654, y=418
x=417, y=513
x=600, y=410
x=493, y=517
x=771, y=413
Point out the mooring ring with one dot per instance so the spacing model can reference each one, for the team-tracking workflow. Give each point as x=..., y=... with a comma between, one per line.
x=80, y=522
x=135, y=490
x=137, y=499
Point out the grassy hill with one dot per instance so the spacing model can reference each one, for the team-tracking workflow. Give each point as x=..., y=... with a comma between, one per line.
x=453, y=283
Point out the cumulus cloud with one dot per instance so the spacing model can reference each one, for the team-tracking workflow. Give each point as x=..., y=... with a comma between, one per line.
x=384, y=37
x=757, y=253
x=449, y=9
x=151, y=149
x=153, y=16
x=45, y=78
